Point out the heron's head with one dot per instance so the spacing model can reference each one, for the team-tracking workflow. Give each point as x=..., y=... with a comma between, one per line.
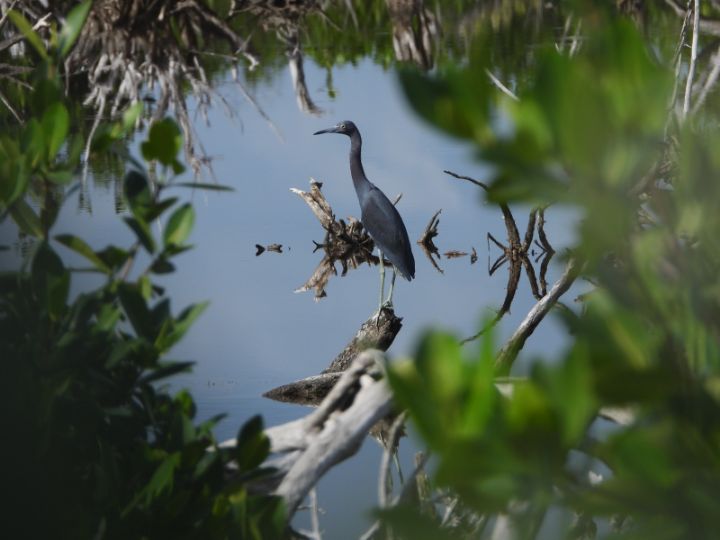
x=346, y=127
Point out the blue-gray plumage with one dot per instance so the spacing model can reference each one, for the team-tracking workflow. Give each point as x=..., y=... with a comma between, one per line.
x=378, y=214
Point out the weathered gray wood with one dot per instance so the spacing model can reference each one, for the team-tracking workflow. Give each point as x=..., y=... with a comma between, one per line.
x=307, y=391
x=341, y=437
x=373, y=334
x=318, y=204
x=303, y=450
x=378, y=332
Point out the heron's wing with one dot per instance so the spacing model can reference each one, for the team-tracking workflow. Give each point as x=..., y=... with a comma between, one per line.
x=386, y=227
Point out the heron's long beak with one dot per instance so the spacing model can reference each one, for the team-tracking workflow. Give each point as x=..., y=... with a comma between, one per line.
x=328, y=130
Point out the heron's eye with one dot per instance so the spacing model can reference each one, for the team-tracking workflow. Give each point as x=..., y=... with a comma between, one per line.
x=342, y=126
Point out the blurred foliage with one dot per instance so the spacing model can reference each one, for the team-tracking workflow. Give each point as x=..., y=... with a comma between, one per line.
x=595, y=129
x=96, y=446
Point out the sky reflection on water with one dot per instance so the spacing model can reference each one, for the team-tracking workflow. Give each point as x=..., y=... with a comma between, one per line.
x=258, y=334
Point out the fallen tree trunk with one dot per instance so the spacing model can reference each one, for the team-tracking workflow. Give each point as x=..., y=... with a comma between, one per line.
x=378, y=332
x=303, y=450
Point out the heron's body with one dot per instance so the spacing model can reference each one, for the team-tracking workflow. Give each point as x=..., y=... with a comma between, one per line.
x=378, y=215
x=377, y=212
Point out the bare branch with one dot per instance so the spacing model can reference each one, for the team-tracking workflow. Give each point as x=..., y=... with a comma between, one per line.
x=693, y=57
x=504, y=89
x=509, y=352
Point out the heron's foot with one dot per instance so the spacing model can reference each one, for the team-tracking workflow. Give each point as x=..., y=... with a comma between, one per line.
x=387, y=304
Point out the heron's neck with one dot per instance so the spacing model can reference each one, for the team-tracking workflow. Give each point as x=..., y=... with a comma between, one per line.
x=360, y=181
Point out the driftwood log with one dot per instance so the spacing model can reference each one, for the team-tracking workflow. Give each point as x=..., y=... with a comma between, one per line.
x=378, y=332
x=303, y=450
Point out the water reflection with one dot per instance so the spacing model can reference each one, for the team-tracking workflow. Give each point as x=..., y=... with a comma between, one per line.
x=415, y=32
x=284, y=19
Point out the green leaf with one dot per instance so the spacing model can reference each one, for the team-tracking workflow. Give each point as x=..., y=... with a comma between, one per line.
x=145, y=286
x=136, y=310
x=61, y=177
x=79, y=245
x=163, y=143
x=142, y=232
x=26, y=218
x=253, y=446
x=74, y=23
x=34, y=143
x=75, y=149
x=162, y=479
x=55, y=123
x=164, y=370
x=408, y=522
x=171, y=334
x=158, y=208
x=113, y=256
x=179, y=225
x=50, y=279
x=130, y=116
x=26, y=29
x=162, y=266
x=138, y=193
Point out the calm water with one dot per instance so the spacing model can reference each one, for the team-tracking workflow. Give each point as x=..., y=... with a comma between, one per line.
x=258, y=333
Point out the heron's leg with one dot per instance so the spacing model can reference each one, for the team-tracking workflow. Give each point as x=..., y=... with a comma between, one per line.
x=388, y=302
x=382, y=280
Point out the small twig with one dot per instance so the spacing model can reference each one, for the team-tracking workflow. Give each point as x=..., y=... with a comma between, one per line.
x=392, y=442
x=502, y=259
x=509, y=352
x=709, y=82
x=472, y=180
x=7, y=12
x=693, y=57
x=512, y=231
x=448, y=511
x=314, y=515
x=10, y=108
x=530, y=231
x=541, y=233
x=406, y=490
x=496, y=242
x=504, y=89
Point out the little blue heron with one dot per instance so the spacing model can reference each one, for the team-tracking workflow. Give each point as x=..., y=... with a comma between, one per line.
x=379, y=216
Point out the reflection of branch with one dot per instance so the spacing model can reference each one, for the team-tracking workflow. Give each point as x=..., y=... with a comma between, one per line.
x=541, y=233
x=504, y=89
x=509, y=352
x=517, y=254
x=414, y=29
x=693, y=57
x=513, y=234
x=706, y=26
x=390, y=450
x=426, y=240
x=421, y=459
x=297, y=73
x=530, y=231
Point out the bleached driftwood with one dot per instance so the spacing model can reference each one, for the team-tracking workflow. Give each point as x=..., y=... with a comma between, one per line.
x=303, y=450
